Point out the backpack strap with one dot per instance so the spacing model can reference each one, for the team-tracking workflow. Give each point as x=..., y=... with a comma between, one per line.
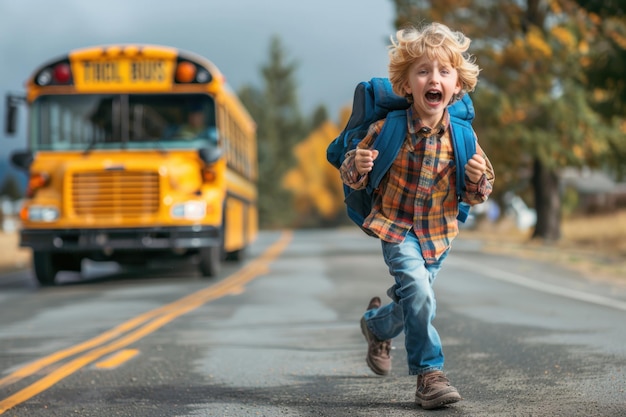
x=388, y=144
x=464, y=143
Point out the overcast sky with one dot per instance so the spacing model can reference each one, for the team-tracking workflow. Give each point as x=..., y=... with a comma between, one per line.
x=336, y=43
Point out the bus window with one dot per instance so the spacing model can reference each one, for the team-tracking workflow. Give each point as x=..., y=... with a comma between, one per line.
x=171, y=117
x=78, y=122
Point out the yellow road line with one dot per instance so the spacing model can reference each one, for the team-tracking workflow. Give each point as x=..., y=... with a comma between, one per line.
x=144, y=325
x=117, y=359
x=37, y=365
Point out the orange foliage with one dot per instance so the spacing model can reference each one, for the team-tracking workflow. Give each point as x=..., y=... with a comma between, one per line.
x=565, y=37
x=618, y=38
x=536, y=42
x=314, y=182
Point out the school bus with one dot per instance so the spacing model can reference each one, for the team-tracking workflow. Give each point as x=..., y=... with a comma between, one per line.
x=135, y=152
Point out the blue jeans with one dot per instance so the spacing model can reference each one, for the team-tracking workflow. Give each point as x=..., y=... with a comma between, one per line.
x=413, y=306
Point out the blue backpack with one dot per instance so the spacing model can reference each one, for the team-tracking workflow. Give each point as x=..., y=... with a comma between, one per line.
x=375, y=100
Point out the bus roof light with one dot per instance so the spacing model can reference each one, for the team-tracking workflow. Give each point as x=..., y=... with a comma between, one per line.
x=57, y=73
x=62, y=73
x=185, y=72
x=44, y=77
x=203, y=76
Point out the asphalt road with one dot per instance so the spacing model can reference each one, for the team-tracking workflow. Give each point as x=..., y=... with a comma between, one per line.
x=278, y=335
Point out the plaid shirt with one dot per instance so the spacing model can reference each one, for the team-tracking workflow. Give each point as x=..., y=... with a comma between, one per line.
x=419, y=190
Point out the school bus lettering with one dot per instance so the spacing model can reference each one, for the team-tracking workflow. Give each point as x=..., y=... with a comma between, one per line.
x=147, y=71
x=101, y=72
x=123, y=74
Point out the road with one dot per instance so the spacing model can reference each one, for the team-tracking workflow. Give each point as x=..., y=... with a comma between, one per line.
x=278, y=335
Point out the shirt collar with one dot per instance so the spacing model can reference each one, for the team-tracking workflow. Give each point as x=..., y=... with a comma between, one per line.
x=417, y=128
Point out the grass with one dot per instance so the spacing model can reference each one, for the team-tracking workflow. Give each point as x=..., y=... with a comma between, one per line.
x=593, y=245
x=606, y=233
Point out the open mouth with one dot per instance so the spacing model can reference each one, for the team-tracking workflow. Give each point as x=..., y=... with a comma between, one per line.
x=433, y=96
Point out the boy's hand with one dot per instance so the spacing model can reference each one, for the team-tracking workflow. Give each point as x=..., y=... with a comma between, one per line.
x=475, y=168
x=364, y=160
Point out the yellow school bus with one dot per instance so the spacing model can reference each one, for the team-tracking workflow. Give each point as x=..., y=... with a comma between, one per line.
x=135, y=152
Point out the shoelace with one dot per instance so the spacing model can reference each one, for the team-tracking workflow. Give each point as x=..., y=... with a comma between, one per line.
x=435, y=377
x=384, y=346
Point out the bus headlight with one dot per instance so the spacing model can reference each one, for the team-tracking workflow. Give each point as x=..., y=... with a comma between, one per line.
x=189, y=210
x=41, y=214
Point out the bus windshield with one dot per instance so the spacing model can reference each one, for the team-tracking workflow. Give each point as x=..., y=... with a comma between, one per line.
x=113, y=121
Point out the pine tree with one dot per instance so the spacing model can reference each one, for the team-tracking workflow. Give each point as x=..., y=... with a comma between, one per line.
x=320, y=116
x=280, y=126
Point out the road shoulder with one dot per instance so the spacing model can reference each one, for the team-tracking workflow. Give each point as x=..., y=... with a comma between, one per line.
x=12, y=256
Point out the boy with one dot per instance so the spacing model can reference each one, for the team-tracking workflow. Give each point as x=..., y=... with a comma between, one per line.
x=415, y=207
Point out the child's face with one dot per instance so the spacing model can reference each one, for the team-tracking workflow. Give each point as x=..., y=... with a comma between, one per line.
x=432, y=85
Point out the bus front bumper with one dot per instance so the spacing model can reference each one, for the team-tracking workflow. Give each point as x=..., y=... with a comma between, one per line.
x=157, y=238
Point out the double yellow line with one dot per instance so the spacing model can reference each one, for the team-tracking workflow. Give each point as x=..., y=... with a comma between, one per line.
x=132, y=330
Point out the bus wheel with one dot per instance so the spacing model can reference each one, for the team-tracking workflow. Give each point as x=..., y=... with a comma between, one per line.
x=210, y=260
x=67, y=262
x=45, y=268
x=236, y=255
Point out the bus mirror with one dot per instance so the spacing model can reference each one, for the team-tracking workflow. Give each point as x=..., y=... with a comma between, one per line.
x=210, y=155
x=11, y=117
x=10, y=126
x=213, y=136
x=22, y=159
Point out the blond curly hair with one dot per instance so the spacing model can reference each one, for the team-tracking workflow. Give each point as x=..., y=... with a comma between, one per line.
x=438, y=42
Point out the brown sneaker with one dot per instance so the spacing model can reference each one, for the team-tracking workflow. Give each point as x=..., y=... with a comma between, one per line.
x=434, y=391
x=378, y=358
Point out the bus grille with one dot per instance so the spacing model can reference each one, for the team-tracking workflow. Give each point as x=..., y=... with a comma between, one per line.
x=115, y=194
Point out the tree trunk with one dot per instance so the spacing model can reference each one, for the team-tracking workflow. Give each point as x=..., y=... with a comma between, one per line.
x=547, y=203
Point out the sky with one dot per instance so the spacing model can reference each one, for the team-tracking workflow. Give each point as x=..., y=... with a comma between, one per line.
x=335, y=43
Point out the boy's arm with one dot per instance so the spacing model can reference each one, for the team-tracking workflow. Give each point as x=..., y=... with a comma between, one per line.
x=478, y=192
x=349, y=174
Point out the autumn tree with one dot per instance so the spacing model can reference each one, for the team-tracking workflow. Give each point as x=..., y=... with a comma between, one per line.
x=316, y=184
x=319, y=117
x=535, y=108
x=279, y=127
x=604, y=68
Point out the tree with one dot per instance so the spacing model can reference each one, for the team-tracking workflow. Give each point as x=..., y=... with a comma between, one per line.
x=535, y=112
x=319, y=117
x=10, y=188
x=314, y=182
x=280, y=126
x=606, y=36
